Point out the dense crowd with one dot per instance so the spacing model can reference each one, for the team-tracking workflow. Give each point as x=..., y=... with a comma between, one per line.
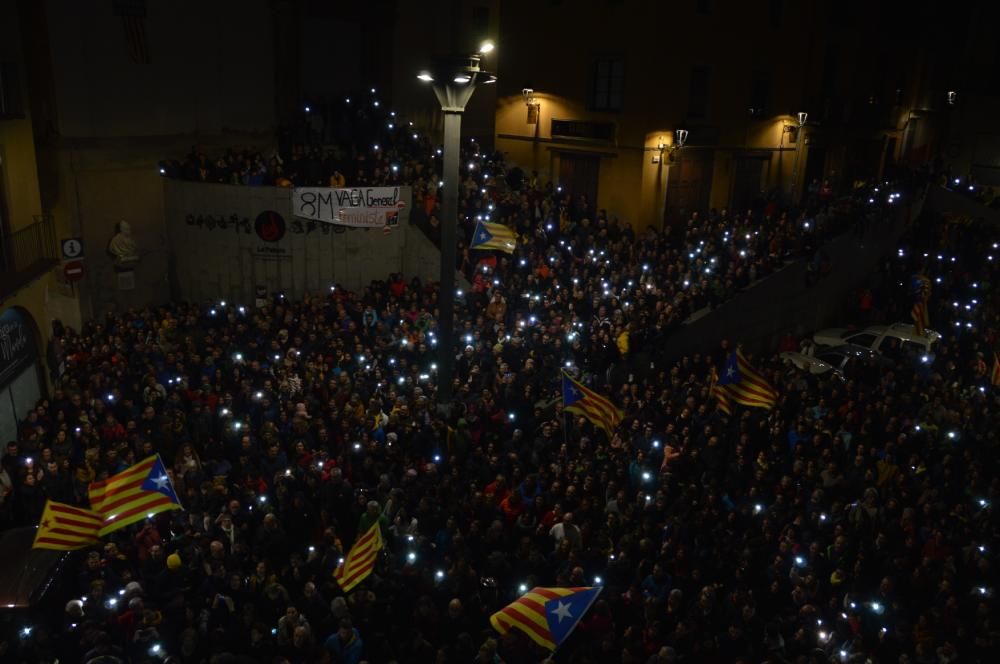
x=699, y=262
x=853, y=521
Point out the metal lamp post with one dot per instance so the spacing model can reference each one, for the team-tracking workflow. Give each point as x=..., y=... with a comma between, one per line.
x=453, y=81
x=802, y=117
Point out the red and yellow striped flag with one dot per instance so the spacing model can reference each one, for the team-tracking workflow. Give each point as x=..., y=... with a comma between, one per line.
x=65, y=528
x=547, y=615
x=579, y=399
x=741, y=383
x=717, y=391
x=133, y=494
x=360, y=560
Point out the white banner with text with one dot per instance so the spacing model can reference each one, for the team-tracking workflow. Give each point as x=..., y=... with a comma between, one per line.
x=359, y=207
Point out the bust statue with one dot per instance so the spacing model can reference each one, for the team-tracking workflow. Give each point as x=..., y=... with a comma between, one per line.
x=122, y=247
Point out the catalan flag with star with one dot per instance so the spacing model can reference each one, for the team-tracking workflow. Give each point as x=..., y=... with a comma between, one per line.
x=741, y=383
x=133, y=494
x=66, y=528
x=719, y=392
x=547, y=615
x=579, y=399
x=494, y=236
x=360, y=560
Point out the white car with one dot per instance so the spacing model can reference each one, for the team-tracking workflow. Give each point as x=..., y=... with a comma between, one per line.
x=876, y=336
x=839, y=359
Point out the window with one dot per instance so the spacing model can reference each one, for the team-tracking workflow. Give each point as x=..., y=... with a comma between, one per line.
x=10, y=91
x=865, y=339
x=698, y=93
x=760, y=93
x=608, y=84
x=704, y=6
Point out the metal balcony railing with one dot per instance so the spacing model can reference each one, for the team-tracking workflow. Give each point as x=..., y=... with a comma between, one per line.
x=27, y=254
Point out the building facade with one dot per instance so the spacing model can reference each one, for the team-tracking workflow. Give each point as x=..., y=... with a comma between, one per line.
x=594, y=92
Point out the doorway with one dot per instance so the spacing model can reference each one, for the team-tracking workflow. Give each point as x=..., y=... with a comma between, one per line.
x=578, y=176
x=689, y=184
x=749, y=178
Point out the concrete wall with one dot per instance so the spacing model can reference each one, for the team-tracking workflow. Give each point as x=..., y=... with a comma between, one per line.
x=210, y=262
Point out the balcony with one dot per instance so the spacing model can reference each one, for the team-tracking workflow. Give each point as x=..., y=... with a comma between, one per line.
x=26, y=254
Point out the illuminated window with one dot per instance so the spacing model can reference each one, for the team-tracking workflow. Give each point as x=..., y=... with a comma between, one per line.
x=607, y=84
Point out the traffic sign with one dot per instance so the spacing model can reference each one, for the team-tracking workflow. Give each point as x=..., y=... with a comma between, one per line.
x=72, y=247
x=73, y=270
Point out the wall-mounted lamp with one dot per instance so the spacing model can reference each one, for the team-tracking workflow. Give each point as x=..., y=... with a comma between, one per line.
x=952, y=97
x=803, y=116
x=532, y=105
x=680, y=138
x=661, y=147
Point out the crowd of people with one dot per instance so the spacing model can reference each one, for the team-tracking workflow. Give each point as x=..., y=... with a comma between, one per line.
x=852, y=522
x=705, y=259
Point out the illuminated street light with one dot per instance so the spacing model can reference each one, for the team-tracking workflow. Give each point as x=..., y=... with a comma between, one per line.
x=453, y=80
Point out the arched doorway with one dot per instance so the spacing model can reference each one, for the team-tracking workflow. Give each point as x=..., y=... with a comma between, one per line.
x=20, y=370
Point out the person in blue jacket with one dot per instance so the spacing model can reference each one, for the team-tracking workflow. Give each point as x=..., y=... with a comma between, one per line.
x=345, y=645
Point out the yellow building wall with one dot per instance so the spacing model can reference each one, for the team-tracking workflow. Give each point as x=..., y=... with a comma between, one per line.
x=47, y=297
x=532, y=147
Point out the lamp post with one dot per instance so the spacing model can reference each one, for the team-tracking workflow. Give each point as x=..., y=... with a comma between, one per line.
x=453, y=81
x=802, y=117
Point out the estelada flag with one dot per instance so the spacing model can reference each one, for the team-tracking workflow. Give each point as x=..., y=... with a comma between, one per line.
x=493, y=236
x=744, y=385
x=579, y=399
x=66, y=528
x=133, y=494
x=547, y=615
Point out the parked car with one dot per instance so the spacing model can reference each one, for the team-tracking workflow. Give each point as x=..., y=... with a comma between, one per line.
x=876, y=336
x=33, y=588
x=841, y=360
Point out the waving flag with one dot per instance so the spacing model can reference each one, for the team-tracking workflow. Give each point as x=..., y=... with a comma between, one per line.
x=65, y=528
x=741, y=383
x=547, y=615
x=133, y=494
x=493, y=236
x=719, y=392
x=577, y=398
x=995, y=373
x=360, y=560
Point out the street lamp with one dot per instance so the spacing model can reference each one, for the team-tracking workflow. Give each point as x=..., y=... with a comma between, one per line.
x=802, y=116
x=453, y=81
